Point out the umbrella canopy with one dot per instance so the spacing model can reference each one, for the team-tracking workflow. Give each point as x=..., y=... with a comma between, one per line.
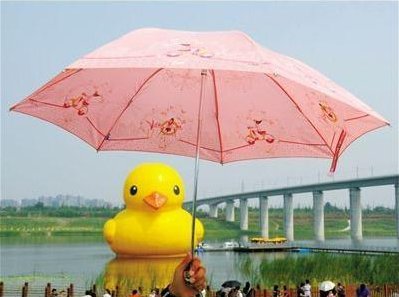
x=326, y=286
x=142, y=92
x=231, y=284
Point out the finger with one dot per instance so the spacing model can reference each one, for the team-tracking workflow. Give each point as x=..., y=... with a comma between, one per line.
x=196, y=263
x=199, y=273
x=199, y=276
x=200, y=285
x=199, y=281
x=185, y=262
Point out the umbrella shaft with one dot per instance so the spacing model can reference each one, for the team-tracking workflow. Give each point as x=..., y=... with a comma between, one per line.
x=194, y=204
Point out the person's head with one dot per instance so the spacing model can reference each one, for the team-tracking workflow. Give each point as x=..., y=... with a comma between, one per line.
x=307, y=281
x=338, y=284
x=54, y=290
x=302, y=284
x=275, y=288
x=362, y=286
x=285, y=287
x=238, y=287
x=134, y=292
x=247, y=284
x=87, y=292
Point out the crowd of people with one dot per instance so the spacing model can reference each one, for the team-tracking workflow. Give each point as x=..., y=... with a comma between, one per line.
x=303, y=290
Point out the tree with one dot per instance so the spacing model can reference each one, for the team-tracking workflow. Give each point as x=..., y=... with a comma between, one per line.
x=39, y=205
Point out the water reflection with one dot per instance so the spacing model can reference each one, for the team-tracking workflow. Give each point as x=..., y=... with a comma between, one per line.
x=80, y=260
x=128, y=273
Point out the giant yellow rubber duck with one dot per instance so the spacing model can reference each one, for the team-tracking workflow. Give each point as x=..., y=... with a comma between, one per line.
x=153, y=223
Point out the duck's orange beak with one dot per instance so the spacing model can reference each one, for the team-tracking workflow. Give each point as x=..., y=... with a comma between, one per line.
x=155, y=200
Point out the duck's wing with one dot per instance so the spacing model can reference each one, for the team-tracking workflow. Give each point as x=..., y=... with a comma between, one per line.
x=199, y=230
x=109, y=230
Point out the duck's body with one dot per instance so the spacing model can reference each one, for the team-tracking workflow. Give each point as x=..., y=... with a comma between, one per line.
x=154, y=224
x=165, y=234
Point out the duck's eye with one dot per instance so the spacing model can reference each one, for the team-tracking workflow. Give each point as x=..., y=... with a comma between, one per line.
x=133, y=190
x=176, y=189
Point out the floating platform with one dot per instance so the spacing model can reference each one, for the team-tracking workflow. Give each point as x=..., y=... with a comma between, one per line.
x=266, y=248
x=299, y=248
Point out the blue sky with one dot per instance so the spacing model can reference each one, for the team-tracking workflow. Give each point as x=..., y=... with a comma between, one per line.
x=353, y=43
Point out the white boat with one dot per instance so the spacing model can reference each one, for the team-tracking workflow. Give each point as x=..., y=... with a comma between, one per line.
x=229, y=245
x=226, y=246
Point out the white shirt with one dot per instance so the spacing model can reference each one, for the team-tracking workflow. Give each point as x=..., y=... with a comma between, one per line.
x=306, y=289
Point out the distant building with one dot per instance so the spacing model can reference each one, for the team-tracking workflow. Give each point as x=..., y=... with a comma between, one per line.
x=57, y=201
x=45, y=200
x=28, y=202
x=9, y=203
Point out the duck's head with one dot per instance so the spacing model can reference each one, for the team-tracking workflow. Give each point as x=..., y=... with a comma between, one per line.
x=153, y=187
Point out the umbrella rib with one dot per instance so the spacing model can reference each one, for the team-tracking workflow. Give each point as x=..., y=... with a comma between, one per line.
x=46, y=86
x=127, y=106
x=300, y=110
x=333, y=138
x=356, y=118
x=241, y=146
x=46, y=103
x=128, y=139
x=202, y=147
x=94, y=126
x=217, y=114
x=285, y=141
x=302, y=143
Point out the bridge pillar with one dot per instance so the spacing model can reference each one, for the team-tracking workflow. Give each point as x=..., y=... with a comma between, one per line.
x=397, y=208
x=288, y=217
x=264, y=216
x=318, y=215
x=213, y=210
x=355, y=214
x=230, y=211
x=243, y=214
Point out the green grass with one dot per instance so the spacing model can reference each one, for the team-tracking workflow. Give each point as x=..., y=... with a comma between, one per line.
x=374, y=225
x=348, y=269
x=50, y=225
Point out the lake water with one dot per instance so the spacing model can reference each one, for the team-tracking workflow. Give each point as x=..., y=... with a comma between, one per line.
x=83, y=260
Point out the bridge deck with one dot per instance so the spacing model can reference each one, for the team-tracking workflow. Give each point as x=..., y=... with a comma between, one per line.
x=328, y=186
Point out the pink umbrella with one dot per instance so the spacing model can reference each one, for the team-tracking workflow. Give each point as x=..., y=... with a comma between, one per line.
x=218, y=96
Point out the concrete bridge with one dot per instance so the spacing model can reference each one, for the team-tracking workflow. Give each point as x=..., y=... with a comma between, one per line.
x=354, y=189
